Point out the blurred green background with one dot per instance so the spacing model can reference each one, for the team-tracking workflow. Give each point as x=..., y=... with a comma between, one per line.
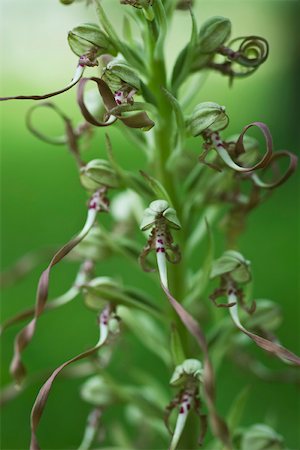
x=43, y=204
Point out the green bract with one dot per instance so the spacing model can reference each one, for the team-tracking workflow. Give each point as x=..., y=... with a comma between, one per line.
x=88, y=37
x=234, y=264
x=213, y=33
x=207, y=115
x=190, y=368
x=98, y=173
x=158, y=209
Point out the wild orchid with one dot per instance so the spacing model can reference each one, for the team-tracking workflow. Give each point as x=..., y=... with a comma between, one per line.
x=164, y=212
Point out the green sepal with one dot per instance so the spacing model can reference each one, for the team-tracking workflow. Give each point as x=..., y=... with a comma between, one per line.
x=86, y=37
x=234, y=264
x=188, y=369
x=213, y=33
x=117, y=72
x=97, y=173
x=207, y=115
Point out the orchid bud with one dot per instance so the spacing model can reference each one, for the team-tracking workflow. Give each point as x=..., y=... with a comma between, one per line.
x=207, y=115
x=97, y=173
x=97, y=391
x=66, y=2
x=232, y=263
x=184, y=4
x=117, y=73
x=126, y=206
x=189, y=369
x=213, y=33
x=88, y=38
x=261, y=437
x=99, y=291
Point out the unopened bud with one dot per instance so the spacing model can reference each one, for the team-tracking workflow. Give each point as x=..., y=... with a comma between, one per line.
x=126, y=206
x=207, y=115
x=261, y=437
x=213, y=33
x=66, y=2
x=99, y=291
x=116, y=73
x=97, y=391
x=97, y=173
x=234, y=264
x=184, y=4
x=88, y=38
x=189, y=369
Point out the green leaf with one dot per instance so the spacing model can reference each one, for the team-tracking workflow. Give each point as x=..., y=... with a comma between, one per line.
x=237, y=409
x=183, y=63
x=177, y=352
x=157, y=188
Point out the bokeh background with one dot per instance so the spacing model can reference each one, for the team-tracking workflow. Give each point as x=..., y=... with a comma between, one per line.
x=44, y=204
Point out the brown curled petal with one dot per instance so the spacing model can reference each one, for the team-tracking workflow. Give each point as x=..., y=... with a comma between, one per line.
x=26, y=314
x=255, y=45
x=202, y=160
x=221, y=305
x=70, y=137
x=218, y=425
x=142, y=260
x=263, y=162
x=56, y=140
x=107, y=97
x=265, y=344
x=139, y=120
x=176, y=254
x=293, y=160
x=23, y=338
x=41, y=400
x=269, y=145
x=78, y=74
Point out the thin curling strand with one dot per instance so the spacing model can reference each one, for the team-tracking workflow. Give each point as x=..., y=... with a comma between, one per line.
x=269, y=346
x=63, y=299
x=161, y=257
x=77, y=75
x=184, y=409
x=23, y=338
x=42, y=397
